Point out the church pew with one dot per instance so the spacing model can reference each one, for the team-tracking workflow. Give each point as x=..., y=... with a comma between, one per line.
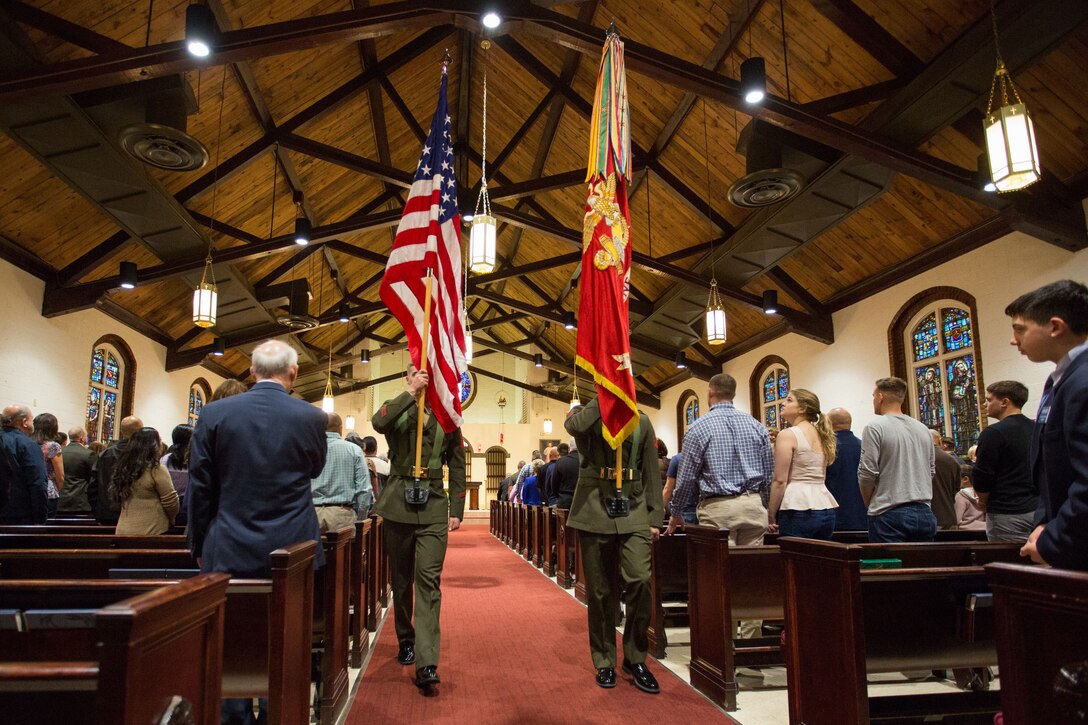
x=532, y=529
x=360, y=572
x=332, y=593
x=565, y=538
x=725, y=584
x=91, y=541
x=137, y=656
x=515, y=534
x=493, y=518
x=843, y=621
x=668, y=580
x=90, y=530
x=540, y=521
x=548, y=553
x=1042, y=629
x=252, y=666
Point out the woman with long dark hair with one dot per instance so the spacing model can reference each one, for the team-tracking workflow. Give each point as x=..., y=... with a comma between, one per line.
x=176, y=459
x=143, y=487
x=45, y=435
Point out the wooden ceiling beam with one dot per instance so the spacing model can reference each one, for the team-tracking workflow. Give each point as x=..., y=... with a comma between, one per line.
x=871, y=36
x=224, y=228
x=64, y=30
x=402, y=109
x=465, y=42
x=117, y=68
x=62, y=300
x=347, y=160
x=89, y=260
x=176, y=359
x=561, y=260
x=287, y=265
x=797, y=291
x=858, y=97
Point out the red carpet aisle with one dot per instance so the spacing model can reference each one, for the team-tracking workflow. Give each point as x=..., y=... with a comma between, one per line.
x=514, y=650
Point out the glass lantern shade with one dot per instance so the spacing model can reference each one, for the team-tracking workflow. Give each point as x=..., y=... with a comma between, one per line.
x=1010, y=145
x=328, y=403
x=715, y=325
x=468, y=346
x=548, y=426
x=205, y=304
x=349, y=422
x=481, y=244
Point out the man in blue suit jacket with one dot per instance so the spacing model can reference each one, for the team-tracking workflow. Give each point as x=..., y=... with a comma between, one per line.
x=1051, y=324
x=250, y=463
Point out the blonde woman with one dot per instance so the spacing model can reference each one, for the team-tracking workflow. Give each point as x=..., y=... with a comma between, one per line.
x=800, y=503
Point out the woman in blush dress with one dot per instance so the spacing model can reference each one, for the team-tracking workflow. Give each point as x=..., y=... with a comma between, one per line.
x=143, y=487
x=800, y=503
x=45, y=435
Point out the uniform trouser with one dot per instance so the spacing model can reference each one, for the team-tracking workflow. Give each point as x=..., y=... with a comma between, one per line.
x=602, y=556
x=416, y=553
x=746, y=519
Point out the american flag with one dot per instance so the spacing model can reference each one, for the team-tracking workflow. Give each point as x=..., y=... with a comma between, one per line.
x=429, y=237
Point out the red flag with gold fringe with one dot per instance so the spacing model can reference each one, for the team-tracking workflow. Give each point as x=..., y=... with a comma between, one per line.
x=604, y=345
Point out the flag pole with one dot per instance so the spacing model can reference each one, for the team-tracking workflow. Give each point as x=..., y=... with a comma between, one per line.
x=619, y=468
x=417, y=471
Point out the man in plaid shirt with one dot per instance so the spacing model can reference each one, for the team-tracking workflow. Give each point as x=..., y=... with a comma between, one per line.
x=343, y=489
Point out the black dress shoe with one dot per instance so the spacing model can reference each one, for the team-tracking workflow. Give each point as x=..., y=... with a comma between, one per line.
x=427, y=676
x=606, y=677
x=644, y=679
x=406, y=655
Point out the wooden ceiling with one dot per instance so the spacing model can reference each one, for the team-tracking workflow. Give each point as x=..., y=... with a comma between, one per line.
x=330, y=99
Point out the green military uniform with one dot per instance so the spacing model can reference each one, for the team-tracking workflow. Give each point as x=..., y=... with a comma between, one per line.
x=611, y=544
x=415, y=535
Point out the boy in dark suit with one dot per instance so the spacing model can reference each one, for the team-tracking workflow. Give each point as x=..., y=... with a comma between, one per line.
x=1051, y=324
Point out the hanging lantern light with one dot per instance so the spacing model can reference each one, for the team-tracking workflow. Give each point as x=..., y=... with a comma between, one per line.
x=574, y=401
x=349, y=422
x=548, y=426
x=483, y=230
x=1010, y=133
x=468, y=345
x=206, y=297
x=715, y=316
x=328, y=402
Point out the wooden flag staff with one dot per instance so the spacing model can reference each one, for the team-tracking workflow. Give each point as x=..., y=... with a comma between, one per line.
x=418, y=471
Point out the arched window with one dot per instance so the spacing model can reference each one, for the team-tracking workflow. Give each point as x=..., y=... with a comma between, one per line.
x=199, y=394
x=938, y=356
x=110, y=388
x=768, y=388
x=687, y=412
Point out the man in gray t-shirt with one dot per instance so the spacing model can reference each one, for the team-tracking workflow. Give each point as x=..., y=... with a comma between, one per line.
x=896, y=469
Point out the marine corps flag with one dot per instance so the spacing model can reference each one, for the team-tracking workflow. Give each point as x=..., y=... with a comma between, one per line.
x=604, y=346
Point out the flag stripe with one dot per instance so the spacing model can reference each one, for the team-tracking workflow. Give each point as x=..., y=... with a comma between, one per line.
x=428, y=238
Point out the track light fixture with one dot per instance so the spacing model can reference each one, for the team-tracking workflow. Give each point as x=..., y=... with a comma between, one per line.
x=491, y=20
x=219, y=348
x=199, y=30
x=569, y=322
x=302, y=224
x=344, y=316
x=364, y=357
x=753, y=80
x=770, y=302
x=129, y=274
x=681, y=360
x=538, y=360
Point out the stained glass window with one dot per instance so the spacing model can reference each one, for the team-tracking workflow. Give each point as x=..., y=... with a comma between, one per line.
x=925, y=338
x=930, y=398
x=196, y=403
x=113, y=371
x=963, y=401
x=943, y=374
x=783, y=383
x=956, y=328
x=776, y=386
x=98, y=361
x=770, y=393
x=105, y=391
x=691, y=412
x=464, y=387
x=109, y=416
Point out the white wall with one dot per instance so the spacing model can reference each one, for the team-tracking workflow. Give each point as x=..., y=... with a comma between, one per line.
x=842, y=374
x=45, y=361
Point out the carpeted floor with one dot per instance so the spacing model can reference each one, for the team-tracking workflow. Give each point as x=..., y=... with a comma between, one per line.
x=514, y=650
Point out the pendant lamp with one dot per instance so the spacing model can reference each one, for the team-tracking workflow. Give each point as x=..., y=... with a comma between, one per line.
x=483, y=230
x=1009, y=130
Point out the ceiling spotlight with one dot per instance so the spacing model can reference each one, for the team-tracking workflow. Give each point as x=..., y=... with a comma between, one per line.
x=219, y=348
x=128, y=275
x=770, y=301
x=344, y=316
x=467, y=218
x=681, y=360
x=364, y=357
x=538, y=360
x=199, y=30
x=491, y=20
x=753, y=80
x=569, y=321
x=302, y=231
